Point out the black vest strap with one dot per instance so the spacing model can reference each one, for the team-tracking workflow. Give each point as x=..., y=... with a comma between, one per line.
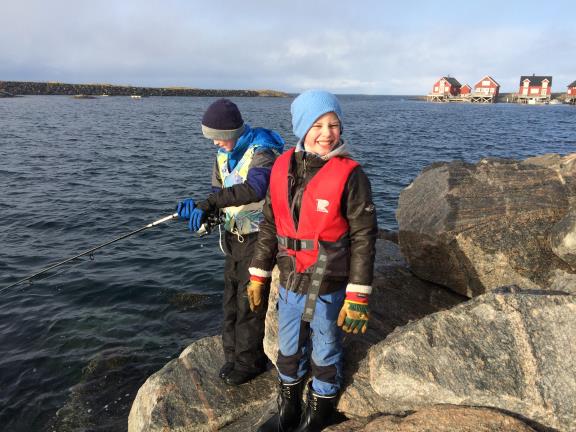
x=295, y=244
x=315, y=283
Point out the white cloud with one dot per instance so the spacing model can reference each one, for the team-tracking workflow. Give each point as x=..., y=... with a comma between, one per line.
x=291, y=46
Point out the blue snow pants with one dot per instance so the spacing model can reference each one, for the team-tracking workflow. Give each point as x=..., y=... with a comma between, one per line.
x=318, y=342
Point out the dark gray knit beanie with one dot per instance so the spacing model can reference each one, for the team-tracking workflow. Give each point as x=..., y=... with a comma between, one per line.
x=222, y=121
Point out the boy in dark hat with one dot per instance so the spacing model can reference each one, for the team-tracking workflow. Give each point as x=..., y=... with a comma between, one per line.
x=239, y=182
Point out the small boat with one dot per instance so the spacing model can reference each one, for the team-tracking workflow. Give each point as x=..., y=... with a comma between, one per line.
x=83, y=96
x=136, y=97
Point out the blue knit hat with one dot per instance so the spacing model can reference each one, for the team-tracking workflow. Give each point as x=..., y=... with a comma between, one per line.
x=309, y=107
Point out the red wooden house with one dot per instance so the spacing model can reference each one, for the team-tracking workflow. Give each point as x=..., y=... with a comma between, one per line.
x=487, y=86
x=572, y=89
x=535, y=87
x=446, y=86
x=465, y=90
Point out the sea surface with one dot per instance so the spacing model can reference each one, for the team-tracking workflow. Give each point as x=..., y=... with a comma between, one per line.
x=75, y=347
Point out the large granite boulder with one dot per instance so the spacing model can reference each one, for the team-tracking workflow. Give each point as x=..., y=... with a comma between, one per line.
x=563, y=239
x=512, y=350
x=438, y=419
x=564, y=166
x=187, y=395
x=477, y=227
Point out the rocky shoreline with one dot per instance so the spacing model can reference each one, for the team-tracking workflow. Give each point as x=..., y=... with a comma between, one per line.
x=25, y=88
x=4, y=94
x=472, y=317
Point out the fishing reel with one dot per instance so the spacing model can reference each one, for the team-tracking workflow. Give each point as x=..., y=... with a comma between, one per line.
x=212, y=221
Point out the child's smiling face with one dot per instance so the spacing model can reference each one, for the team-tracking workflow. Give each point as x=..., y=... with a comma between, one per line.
x=323, y=135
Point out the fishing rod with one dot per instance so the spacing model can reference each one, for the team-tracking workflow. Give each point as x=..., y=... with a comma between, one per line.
x=206, y=228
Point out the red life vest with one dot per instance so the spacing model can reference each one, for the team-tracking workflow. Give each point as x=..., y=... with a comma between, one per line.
x=320, y=216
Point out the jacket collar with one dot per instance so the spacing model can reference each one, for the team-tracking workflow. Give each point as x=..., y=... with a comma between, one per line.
x=341, y=150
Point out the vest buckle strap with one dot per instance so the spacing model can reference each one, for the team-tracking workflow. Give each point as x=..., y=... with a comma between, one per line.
x=295, y=244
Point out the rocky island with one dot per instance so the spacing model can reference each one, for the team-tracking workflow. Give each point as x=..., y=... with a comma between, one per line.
x=473, y=317
x=56, y=88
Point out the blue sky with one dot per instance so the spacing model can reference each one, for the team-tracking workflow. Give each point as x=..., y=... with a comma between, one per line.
x=370, y=47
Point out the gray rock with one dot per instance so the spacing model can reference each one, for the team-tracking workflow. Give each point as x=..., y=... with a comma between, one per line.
x=563, y=239
x=187, y=395
x=565, y=168
x=474, y=228
x=510, y=351
x=438, y=419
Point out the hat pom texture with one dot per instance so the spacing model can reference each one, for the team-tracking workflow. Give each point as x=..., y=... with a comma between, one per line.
x=309, y=106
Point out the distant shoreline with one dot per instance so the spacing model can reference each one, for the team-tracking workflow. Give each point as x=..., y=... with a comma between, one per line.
x=27, y=88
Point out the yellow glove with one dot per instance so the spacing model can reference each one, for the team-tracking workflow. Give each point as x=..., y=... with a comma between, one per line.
x=353, y=317
x=255, y=290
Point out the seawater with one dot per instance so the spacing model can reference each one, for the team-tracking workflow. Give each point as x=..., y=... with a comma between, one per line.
x=75, y=347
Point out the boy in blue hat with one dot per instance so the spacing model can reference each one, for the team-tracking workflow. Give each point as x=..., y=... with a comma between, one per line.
x=239, y=182
x=320, y=227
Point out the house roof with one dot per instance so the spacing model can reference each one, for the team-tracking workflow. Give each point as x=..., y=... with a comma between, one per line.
x=466, y=85
x=572, y=85
x=453, y=81
x=485, y=78
x=535, y=80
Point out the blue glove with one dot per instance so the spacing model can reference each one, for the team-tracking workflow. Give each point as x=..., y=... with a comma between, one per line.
x=197, y=219
x=185, y=208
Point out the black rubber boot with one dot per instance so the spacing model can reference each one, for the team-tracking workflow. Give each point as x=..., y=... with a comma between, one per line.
x=226, y=369
x=319, y=412
x=289, y=409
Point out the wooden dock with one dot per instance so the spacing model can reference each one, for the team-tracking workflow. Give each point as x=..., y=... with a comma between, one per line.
x=469, y=98
x=531, y=100
x=482, y=98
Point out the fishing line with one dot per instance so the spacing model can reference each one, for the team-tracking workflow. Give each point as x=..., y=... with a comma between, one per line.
x=59, y=272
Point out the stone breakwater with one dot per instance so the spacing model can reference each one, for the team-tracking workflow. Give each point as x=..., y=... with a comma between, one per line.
x=54, y=88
